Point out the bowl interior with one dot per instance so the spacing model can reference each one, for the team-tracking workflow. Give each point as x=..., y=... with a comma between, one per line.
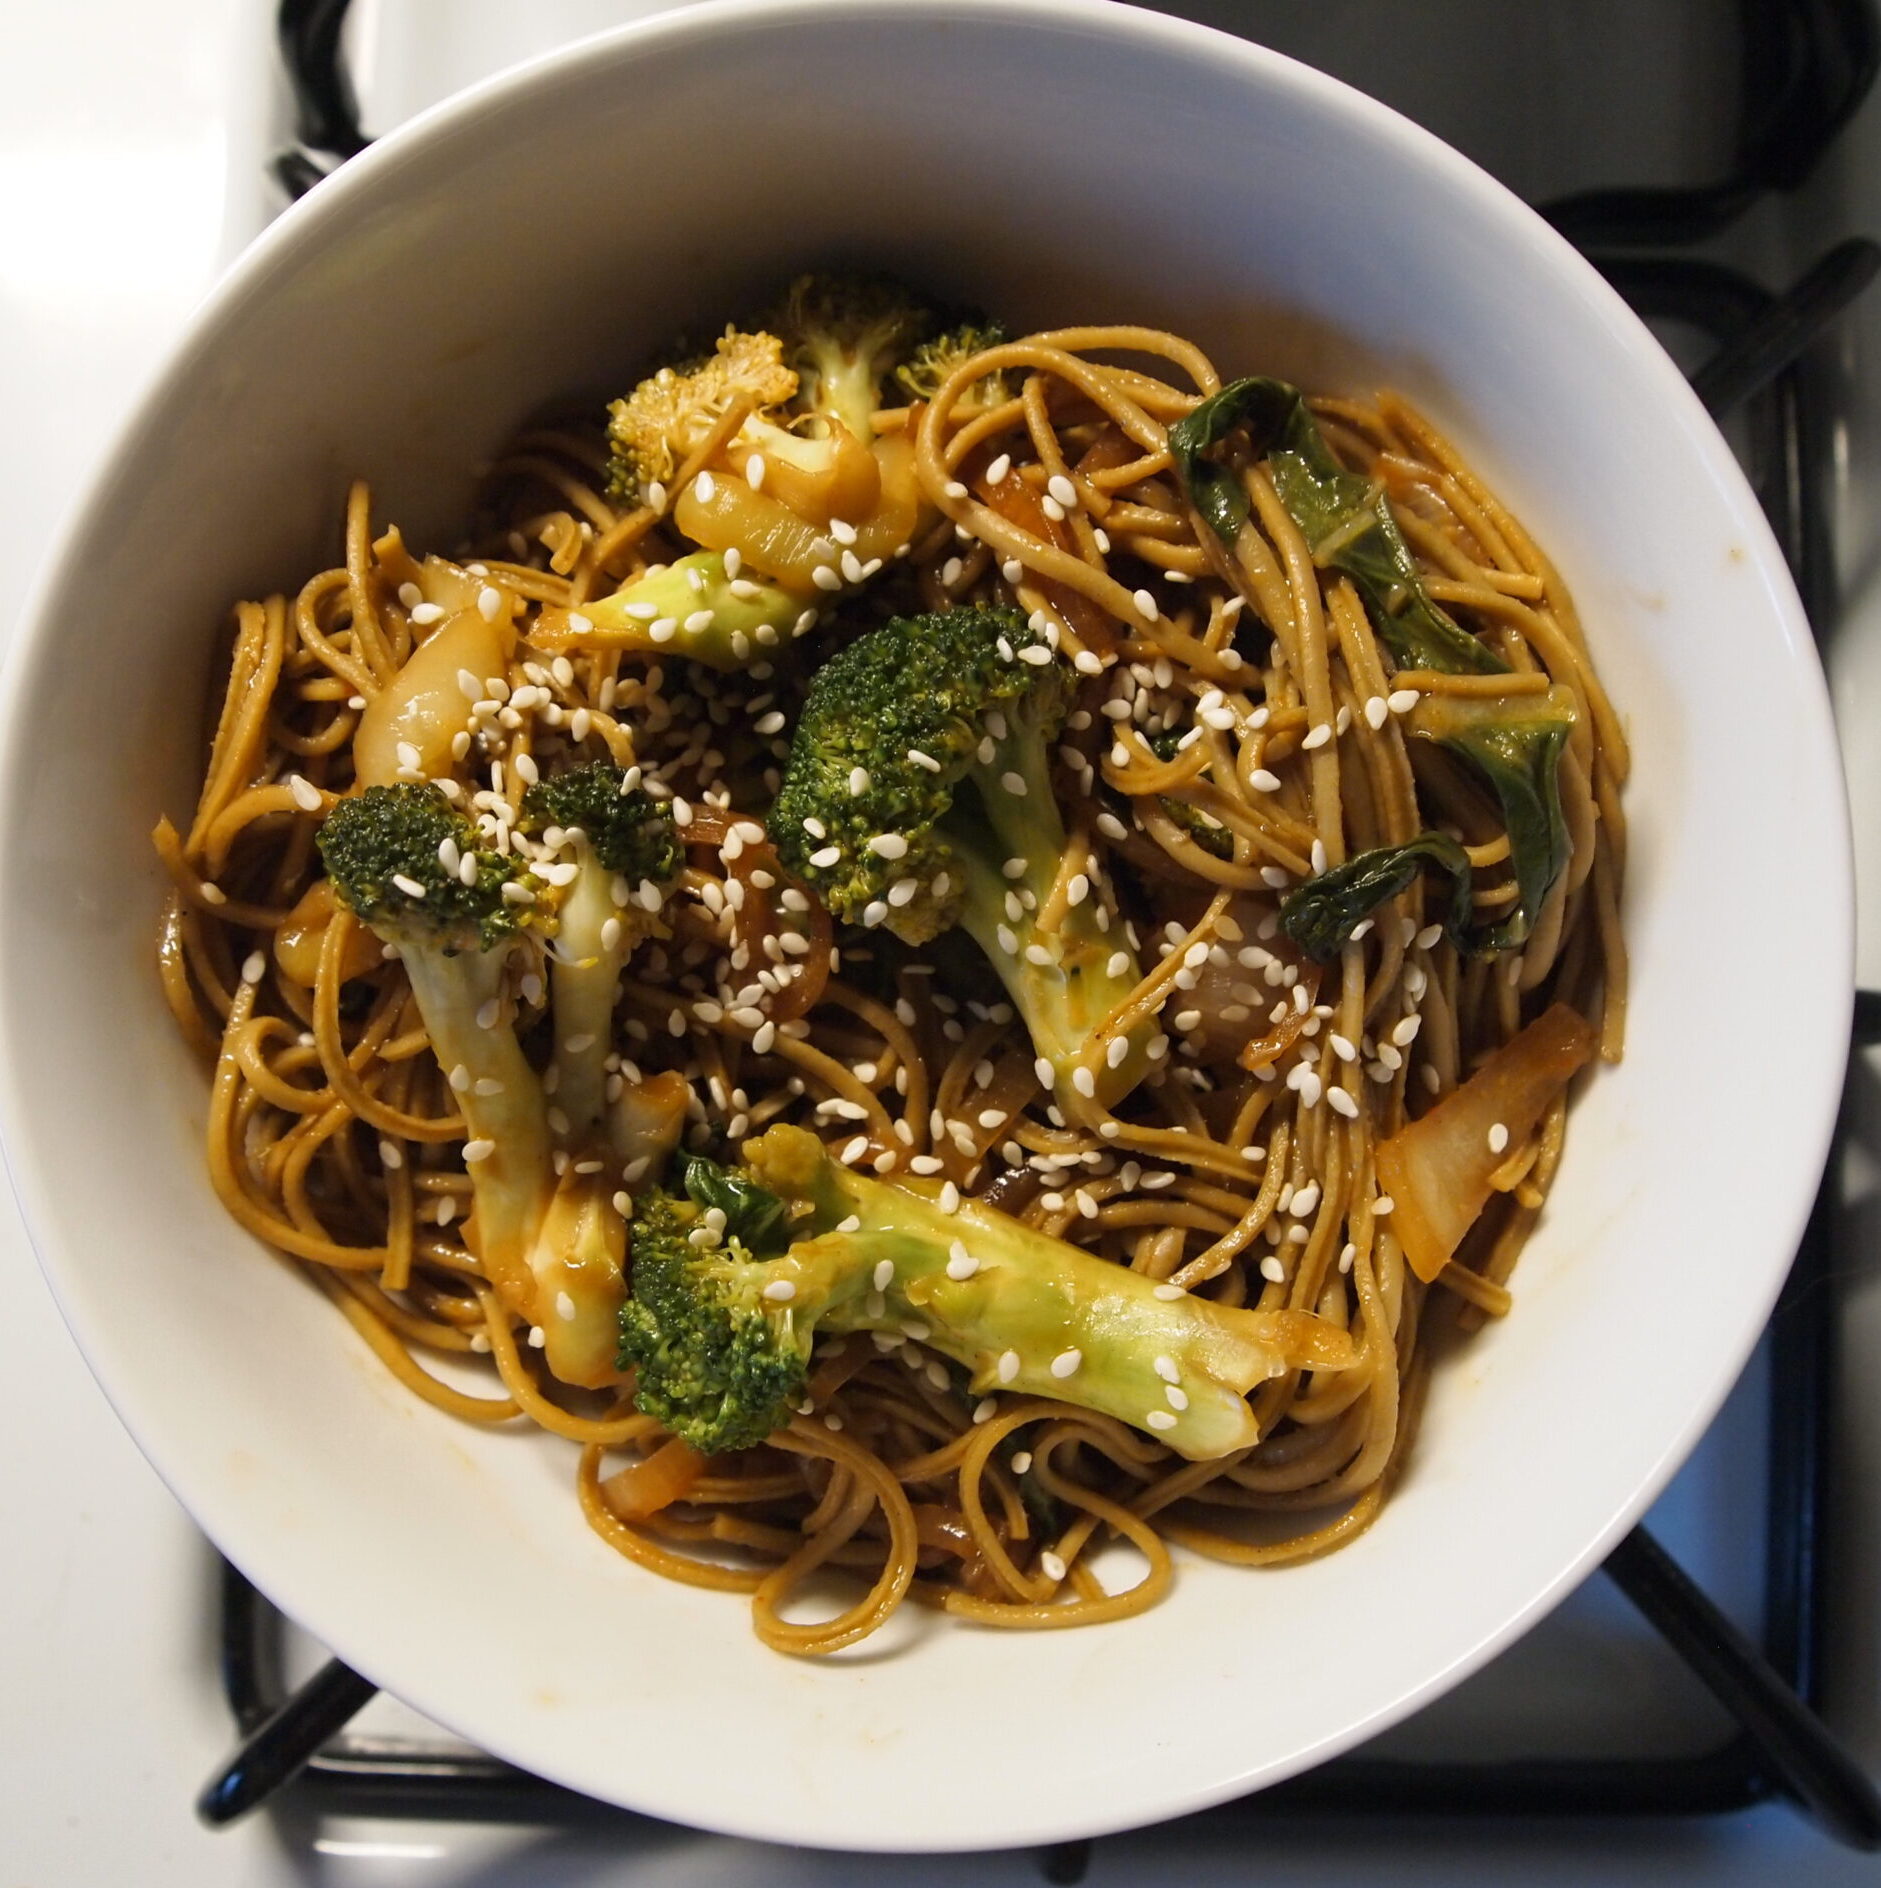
x=1058, y=163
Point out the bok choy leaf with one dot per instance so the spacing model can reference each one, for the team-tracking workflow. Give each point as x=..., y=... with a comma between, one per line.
x=1344, y=517
x=1321, y=915
x=1513, y=742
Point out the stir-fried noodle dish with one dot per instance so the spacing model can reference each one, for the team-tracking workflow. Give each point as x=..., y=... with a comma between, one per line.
x=948, y=953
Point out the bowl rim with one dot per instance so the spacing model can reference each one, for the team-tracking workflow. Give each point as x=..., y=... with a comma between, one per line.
x=324, y=212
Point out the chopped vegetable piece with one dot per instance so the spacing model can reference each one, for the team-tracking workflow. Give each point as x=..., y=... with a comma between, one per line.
x=1438, y=1169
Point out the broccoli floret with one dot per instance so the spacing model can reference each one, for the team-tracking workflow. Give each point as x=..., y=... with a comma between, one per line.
x=722, y=1317
x=811, y=373
x=552, y=1246
x=920, y=376
x=658, y=426
x=626, y=851
x=714, y=1359
x=845, y=334
x=394, y=856
x=943, y=722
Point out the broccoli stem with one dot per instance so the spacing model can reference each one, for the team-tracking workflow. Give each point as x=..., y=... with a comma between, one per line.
x=576, y=1263
x=729, y=623
x=511, y=1184
x=1033, y=1314
x=584, y=982
x=1063, y=1000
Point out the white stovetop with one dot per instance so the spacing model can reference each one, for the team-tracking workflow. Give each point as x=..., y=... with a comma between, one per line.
x=129, y=173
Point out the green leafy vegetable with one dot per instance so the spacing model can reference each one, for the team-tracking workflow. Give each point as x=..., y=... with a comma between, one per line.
x=753, y=1217
x=1514, y=742
x=1322, y=914
x=1343, y=516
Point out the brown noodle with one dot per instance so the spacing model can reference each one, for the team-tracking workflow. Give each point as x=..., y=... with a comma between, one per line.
x=333, y=1138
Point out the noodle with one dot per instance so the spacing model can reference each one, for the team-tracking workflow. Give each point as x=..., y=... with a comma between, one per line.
x=336, y=1139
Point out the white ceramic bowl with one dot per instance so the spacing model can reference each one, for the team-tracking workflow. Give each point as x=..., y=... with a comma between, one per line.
x=1056, y=161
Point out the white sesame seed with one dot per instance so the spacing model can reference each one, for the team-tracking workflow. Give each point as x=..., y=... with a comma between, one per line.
x=1008, y=1366
x=1342, y=1103
x=1063, y=490
x=1383, y=1205
x=1160, y=1419
x=780, y=1291
x=920, y=759
x=1319, y=856
x=949, y=1198
x=1401, y=700
x=954, y=489
x=1084, y=1082
x=254, y=967
x=826, y=577
x=1428, y=937
x=1165, y=1367
x=1168, y=1292
x=1051, y=1566
x=1319, y=736
x=826, y=856
x=477, y=1150
x=1498, y=1137
x=489, y=601
x=1405, y=1033
x=884, y=845
x=1273, y=1271
x=1065, y=1364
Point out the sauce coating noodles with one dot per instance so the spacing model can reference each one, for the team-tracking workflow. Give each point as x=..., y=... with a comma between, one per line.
x=1238, y=728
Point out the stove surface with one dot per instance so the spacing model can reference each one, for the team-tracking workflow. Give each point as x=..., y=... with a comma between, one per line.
x=131, y=168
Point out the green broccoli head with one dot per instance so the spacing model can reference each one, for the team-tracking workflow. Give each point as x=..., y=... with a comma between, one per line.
x=929, y=717
x=714, y=1359
x=630, y=833
x=397, y=857
x=921, y=375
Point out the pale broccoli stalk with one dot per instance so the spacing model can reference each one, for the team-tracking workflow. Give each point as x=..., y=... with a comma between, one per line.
x=625, y=851
x=809, y=377
x=692, y=607
x=918, y=795
x=720, y=1326
x=387, y=852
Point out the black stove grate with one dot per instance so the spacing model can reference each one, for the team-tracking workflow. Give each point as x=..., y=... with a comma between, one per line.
x=1760, y=367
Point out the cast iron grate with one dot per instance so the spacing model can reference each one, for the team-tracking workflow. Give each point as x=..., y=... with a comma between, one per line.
x=1760, y=366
